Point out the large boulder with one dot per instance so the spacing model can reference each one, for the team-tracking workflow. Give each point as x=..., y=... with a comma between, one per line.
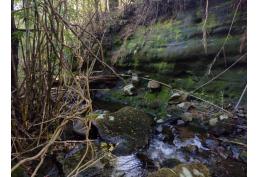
x=128, y=129
x=183, y=170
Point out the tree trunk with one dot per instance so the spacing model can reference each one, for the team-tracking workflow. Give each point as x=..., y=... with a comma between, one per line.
x=14, y=53
x=14, y=64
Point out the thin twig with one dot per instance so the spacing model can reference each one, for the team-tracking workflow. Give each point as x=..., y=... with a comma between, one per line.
x=215, y=77
x=225, y=41
x=240, y=99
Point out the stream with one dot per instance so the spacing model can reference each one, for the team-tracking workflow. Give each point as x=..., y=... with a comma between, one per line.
x=172, y=141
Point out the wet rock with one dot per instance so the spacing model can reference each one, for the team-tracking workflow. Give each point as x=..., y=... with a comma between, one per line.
x=180, y=122
x=159, y=129
x=129, y=72
x=146, y=161
x=186, y=106
x=135, y=79
x=129, y=90
x=222, y=152
x=159, y=121
x=154, y=85
x=178, y=97
x=129, y=129
x=185, y=133
x=213, y=121
x=223, y=116
x=71, y=159
x=198, y=126
x=211, y=144
x=170, y=163
x=243, y=156
x=168, y=134
x=175, y=112
x=235, y=152
x=183, y=170
x=223, y=127
x=78, y=125
x=190, y=149
x=187, y=116
x=229, y=168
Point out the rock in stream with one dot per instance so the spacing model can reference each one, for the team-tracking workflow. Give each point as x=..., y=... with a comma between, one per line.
x=128, y=129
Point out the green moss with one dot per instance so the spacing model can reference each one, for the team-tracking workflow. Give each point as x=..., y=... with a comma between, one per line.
x=19, y=172
x=185, y=83
x=128, y=128
x=163, y=67
x=150, y=42
x=154, y=103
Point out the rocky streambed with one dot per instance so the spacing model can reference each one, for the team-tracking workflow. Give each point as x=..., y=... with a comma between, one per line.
x=189, y=138
x=154, y=132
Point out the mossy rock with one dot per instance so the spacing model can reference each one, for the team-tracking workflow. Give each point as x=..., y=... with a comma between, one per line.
x=183, y=170
x=162, y=46
x=128, y=128
x=19, y=172
x=71, y=159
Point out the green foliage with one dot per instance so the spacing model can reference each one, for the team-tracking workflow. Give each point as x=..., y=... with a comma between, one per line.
x=152, y=102
x=17, y=35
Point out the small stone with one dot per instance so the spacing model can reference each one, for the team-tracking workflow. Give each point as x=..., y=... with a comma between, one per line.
x=180, y=122
x=154, y=85
x=79, y=127
x=181, y=105
x=101, y=116
x=223, y=116
x=169, y=115
x=129, y=72
x=177, y=98
x=187, y=116
x=129, y=90
x=160, y=121
x=159, y=129
x=186, y=106
x=111, y=118
x=213, y=121
x=190, y=148
x=135, y=78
